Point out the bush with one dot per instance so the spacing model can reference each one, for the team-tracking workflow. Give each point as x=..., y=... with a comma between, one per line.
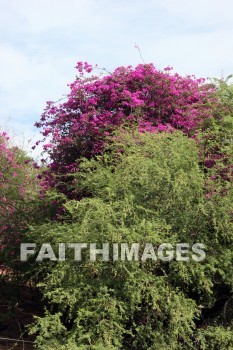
x=18, y=187
x=145, y=188
x=144, y=96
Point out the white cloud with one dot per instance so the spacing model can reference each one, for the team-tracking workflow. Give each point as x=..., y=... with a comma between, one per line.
x=200, y=11
x=40, y=42
x=204, y=54
x=84, y=16
x=27, y=82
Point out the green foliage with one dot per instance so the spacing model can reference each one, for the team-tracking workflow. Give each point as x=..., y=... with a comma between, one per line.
x=216, y=137
x=146, y=188
x=217, y=337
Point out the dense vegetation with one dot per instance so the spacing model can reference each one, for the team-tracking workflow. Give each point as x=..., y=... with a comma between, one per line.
x=137, y=155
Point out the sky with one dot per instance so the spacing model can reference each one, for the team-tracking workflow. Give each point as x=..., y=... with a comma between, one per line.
x=41, y=41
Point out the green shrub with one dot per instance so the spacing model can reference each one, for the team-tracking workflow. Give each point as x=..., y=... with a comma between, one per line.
x=146, y=188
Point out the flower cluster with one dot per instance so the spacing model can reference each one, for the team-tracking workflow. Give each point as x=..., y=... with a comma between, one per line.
x=143, y=97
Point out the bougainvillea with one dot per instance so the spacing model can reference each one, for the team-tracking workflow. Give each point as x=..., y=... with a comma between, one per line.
x=145, y=97
x=23, y=199
x=17, y=189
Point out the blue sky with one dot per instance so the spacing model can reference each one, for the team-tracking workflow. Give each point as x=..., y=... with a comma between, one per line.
x=41, y=41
